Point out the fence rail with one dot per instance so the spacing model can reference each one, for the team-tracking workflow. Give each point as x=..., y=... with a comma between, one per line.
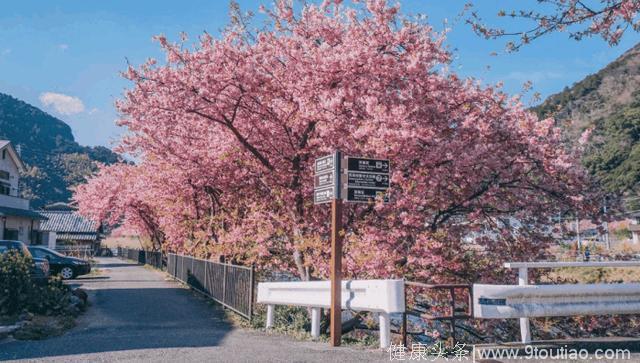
x=83, y=252
x=230, y=285
x=453, y=306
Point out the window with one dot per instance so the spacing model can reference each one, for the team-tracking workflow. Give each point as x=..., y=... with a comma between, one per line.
x=36, y=238
x=4, y=175
x=38, y=253
x=5, y=188
x=11, y=234
x=4, y=154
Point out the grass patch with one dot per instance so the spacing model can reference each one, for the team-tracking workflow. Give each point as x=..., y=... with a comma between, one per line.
x=294, y=322
x=95, y=272
x=588, y=275
x=42, y=327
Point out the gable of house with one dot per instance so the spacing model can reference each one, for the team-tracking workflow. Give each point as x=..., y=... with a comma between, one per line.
x=10, y=167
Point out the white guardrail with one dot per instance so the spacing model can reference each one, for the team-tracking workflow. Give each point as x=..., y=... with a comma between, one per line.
x=526, y=301
x=381, y=296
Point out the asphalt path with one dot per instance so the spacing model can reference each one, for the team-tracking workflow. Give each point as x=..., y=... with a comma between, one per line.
x=139, y=315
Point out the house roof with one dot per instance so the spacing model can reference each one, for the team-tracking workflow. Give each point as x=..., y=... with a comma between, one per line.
x=6, y=144
x=59, y=206
x=77, y=236
x=67, y=221
x=15, y=212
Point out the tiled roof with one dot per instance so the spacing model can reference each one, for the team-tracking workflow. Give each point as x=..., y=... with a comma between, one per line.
x=67, y=221
x=77, y=236
x=16, y=212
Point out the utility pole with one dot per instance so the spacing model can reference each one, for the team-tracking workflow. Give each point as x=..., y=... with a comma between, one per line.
x=606, y=227
x=578, y=235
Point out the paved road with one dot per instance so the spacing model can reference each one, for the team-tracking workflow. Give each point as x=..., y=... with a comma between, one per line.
x=139, y=315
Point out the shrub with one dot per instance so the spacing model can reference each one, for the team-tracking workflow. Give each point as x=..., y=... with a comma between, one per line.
x=19, y=293
x=15, y=282
x=50, y=299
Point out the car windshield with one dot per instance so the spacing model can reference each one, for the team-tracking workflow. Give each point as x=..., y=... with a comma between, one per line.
x=43, y=252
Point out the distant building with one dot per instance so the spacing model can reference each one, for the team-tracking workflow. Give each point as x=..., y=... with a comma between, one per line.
x=17, y=220
x=634, y=227
x=65, y=227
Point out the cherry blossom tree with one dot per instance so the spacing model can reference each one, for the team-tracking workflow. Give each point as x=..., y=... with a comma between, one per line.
x=609, y=19
x=227, y=131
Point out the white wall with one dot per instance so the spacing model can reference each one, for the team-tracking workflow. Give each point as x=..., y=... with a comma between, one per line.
x=23, y=225
x=7, y=164
x=51, y=239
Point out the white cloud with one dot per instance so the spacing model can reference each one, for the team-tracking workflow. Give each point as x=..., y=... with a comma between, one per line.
x=93, y=111
x=63, y=47
x=63, y=104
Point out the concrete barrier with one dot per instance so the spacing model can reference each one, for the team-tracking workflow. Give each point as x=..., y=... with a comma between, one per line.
x=381, y=296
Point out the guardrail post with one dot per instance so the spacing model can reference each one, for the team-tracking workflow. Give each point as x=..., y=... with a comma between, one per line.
x=315, y=322
x=270, y=312
x=385, y=330
x=525, y=328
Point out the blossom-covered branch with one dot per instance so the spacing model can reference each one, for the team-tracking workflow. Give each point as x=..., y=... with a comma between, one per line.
x=227, y=132
x=606, y=18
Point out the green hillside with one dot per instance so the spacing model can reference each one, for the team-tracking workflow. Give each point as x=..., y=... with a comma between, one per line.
x=609, y=103
x=55, y=160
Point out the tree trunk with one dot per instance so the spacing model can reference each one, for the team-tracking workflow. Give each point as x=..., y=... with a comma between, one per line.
x=299, y=261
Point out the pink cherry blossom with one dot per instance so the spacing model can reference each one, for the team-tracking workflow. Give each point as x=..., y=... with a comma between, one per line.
x=226, y=134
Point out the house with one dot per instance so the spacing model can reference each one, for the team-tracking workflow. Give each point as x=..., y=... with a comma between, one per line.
x=64, y=227
x=17, y=220
x=634, y=227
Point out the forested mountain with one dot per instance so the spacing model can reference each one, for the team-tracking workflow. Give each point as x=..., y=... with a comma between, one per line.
x=608, y=102
x=55, y=160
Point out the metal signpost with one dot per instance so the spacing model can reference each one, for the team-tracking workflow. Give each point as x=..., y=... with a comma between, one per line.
x=366, y=180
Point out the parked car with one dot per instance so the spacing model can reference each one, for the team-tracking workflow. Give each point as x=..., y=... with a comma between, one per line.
x=67, y=267
x=40, y=269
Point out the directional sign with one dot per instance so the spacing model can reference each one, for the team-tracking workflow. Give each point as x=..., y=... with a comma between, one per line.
x=362, y=195
x=367, y=180
x=324, y=195
x=325, y=179
x=325, y=163
x=368, y=165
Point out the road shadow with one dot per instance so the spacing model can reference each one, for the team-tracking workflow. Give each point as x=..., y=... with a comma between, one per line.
x=130, y=319
x=115, y=265
x=90, y=278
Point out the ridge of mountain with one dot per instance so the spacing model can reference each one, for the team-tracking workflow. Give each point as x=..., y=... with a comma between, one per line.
x=607, y=103
x=55, y=161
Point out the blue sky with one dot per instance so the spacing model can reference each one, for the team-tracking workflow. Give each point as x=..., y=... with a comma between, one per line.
x=65, y=56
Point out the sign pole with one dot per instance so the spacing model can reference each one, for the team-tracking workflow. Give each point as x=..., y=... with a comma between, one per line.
x=336, y=258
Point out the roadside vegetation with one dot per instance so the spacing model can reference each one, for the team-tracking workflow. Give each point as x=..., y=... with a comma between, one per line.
x=34, y=310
